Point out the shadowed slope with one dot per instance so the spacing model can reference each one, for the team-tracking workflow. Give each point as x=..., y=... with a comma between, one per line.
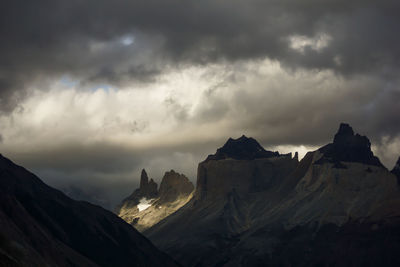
x=40, y=226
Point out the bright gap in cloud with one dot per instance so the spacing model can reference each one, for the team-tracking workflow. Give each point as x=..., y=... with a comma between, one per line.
x=68, y=82
x=127, y=40
x=302, y=150
x=317, y=43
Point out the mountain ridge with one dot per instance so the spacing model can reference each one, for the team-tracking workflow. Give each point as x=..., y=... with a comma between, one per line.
x=278, y=211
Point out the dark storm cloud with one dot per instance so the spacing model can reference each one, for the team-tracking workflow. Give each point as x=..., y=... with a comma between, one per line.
x=46, y=39
x=102, y=157
x=124, y=42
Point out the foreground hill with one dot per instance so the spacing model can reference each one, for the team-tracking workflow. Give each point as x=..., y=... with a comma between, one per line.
x=338, y=206
x=40, y=226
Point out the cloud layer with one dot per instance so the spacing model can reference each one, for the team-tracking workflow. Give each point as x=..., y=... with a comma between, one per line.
x=100, y=139
x=88, y=40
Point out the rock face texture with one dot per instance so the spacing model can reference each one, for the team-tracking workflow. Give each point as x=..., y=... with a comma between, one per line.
x=174, y=185
x=338, y=206
x=242, y=165
x=40, y=226
x=175, y=191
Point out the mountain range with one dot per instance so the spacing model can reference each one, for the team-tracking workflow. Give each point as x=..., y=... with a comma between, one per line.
x=338, y=206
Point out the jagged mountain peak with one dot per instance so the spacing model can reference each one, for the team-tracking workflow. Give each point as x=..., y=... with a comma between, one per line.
x=144, y=179
x=345, y=130
x=144, y=210
x=242, y=148
x=346, y=137
x=147, y=189
x=348, y=147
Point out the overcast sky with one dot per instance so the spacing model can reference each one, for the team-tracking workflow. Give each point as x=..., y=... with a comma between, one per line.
x=93, y=91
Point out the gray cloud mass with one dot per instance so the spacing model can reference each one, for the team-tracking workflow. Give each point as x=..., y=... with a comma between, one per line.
x=49, y=38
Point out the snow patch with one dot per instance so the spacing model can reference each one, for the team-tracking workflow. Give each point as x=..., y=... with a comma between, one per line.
x=144, y=203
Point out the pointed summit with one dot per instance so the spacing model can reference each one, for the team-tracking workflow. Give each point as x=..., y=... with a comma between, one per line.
x=348, y=147
x=243, y=148
x=345, y=131
x=144, y=179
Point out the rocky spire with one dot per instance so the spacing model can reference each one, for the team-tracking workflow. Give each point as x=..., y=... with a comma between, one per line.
x=243, y=148
x=147, y=189
x=348, y=147
x=144, y=179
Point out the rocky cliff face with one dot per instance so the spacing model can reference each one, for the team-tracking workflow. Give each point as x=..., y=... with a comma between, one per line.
x=40, y=226
x=242, y=165
x=337, y=206
x=147, y=205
